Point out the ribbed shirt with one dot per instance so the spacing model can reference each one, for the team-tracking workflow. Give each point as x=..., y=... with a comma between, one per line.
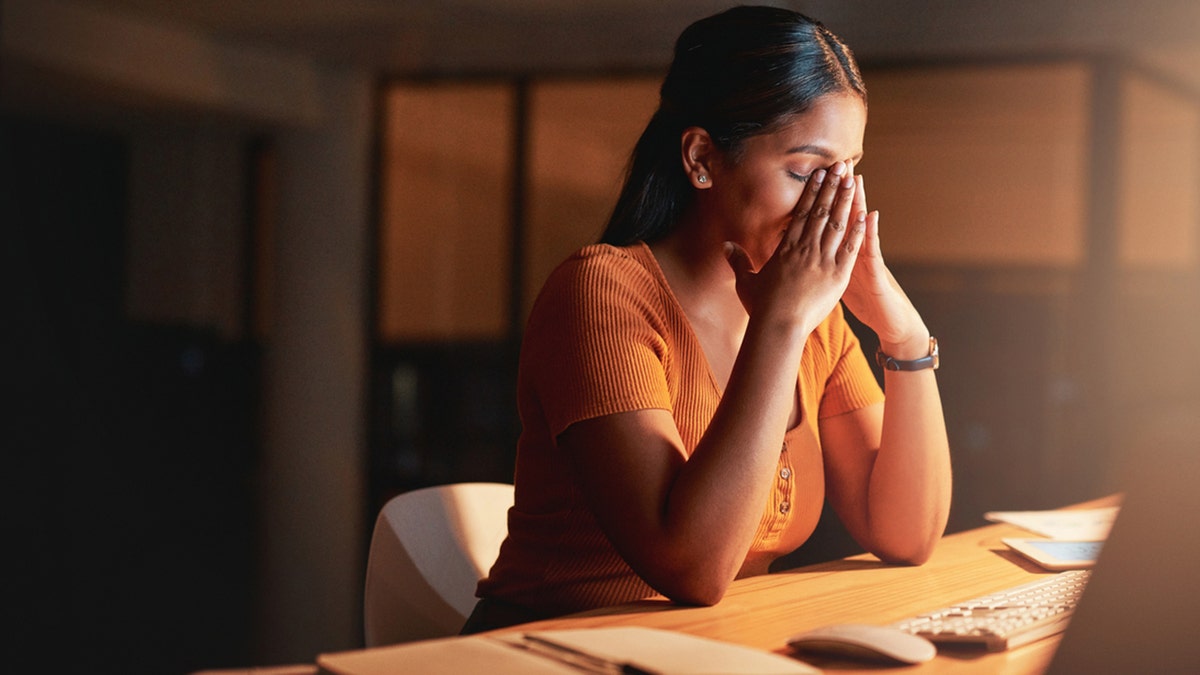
x=606, y=335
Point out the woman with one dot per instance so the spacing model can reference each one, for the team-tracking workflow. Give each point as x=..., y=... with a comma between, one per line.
x=689, y=390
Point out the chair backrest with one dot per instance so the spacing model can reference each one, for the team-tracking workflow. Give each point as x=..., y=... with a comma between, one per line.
x=428, y=550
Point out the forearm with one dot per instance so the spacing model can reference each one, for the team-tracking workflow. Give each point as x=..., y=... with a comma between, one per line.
x=716, y=502
x=908, y=499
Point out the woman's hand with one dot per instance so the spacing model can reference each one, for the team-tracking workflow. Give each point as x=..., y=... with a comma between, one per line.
x=874, y=296
x=809, y=271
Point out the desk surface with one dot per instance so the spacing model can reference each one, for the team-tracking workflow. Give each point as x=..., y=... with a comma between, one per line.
x=764, y=611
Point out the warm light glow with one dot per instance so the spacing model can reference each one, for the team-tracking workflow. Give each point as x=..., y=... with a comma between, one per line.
x=446, y=186
x=1159, y=177
x=983, y=165
x=581, y=135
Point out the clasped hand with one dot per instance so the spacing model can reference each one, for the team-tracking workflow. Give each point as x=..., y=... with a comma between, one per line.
x=830, y=252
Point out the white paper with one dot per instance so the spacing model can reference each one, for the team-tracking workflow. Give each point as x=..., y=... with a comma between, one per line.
x=671, y=653
x=1068, y=524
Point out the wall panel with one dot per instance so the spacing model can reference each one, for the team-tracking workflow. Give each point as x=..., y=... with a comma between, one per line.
x=445, y=203
x=581, y=136
x=981, y=165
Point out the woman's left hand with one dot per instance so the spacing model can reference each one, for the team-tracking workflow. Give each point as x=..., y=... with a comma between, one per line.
x=874, y=296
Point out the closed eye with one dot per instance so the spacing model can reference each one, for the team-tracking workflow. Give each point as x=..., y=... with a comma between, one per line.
x=803, y=178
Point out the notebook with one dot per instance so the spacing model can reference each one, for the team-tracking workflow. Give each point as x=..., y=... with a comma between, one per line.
x=1141, y=610
x=628, y=650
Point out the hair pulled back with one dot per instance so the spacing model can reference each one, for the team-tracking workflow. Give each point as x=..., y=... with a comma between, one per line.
x=735, y=74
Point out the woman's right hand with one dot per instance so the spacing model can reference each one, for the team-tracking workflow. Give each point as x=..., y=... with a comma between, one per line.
x=803, y=280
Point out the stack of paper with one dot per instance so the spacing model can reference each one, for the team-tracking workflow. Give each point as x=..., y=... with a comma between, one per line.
x=1066, y=524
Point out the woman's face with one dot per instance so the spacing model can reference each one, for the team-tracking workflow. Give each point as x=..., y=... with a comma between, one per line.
x=753, y=195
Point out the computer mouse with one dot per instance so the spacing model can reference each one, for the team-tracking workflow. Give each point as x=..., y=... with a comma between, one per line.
x=864, y=641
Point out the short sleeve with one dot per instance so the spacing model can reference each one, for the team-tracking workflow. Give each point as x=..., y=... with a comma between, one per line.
x=594, y=344
x=851, y=384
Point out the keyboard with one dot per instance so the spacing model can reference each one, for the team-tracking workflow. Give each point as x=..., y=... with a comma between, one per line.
x=1005, y=619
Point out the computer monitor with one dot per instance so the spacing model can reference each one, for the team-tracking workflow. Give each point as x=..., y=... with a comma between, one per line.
x=1141, y=610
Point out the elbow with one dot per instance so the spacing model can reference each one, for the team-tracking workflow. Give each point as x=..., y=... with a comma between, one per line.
x=907, y=553
x=694, y=572
x=694, y=587
x=908, y=541
x=913, y=558
x=695, y=594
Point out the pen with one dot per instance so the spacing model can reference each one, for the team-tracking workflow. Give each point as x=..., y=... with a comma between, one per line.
x=580, y=659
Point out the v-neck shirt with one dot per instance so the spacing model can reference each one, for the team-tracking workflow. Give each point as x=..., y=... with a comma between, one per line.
x=607, y=335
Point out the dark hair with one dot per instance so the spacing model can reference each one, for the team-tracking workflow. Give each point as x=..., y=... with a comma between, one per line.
x=735, y=74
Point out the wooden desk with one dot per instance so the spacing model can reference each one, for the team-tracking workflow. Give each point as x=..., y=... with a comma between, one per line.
x=764, y=611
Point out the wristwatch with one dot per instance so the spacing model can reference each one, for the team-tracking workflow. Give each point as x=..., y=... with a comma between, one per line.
x=931, y=361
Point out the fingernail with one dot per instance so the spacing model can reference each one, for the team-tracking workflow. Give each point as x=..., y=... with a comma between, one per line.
x=819, y=176
x=838, y=169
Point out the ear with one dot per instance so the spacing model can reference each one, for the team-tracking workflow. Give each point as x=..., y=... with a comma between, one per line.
x=698, y=154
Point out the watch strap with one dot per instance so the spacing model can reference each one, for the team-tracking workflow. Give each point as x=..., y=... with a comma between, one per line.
x=930, y=361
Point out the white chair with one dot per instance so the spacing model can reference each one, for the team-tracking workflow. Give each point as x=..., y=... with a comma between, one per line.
x=429, y=549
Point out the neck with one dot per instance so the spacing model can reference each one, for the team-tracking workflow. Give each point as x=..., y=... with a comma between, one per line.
x=695, y=255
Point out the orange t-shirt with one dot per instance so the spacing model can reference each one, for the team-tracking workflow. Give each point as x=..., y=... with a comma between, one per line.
x=607, y=335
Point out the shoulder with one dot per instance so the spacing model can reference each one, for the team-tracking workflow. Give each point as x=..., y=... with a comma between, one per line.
x=606, y=260
x=602, y=271
x=600, y=292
